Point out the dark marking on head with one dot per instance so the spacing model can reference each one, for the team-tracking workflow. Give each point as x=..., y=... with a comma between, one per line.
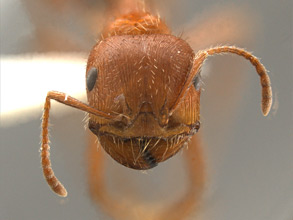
x=147, y=156
x=91, y=78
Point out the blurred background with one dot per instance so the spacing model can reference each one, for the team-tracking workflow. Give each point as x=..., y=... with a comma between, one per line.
x=249, y=158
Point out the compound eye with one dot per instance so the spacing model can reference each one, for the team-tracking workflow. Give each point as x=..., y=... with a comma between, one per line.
x=91, y=78
x=197, y=81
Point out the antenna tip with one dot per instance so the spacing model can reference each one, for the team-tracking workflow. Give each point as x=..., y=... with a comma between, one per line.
x=60, y=190
x=266, y=107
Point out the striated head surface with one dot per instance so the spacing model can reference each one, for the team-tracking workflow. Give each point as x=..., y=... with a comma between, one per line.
x=140, y=77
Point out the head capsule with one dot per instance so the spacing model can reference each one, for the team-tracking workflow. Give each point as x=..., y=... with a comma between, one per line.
x=141, y=77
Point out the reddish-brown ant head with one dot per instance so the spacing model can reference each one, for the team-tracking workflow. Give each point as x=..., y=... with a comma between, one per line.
x=143, y=88
x=141, y=78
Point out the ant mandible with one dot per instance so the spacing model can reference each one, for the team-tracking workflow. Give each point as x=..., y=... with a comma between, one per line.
x=143, y=88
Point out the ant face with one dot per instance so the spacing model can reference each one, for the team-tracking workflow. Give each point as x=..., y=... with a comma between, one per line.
x=141, y=78
x=143, y=88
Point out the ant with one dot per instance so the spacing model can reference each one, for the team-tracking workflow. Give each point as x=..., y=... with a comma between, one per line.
x=143, y=88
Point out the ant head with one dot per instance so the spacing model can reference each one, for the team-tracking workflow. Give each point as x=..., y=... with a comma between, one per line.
x=142, y=78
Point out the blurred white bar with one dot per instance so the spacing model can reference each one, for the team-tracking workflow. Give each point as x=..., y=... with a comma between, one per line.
x=26, y=79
